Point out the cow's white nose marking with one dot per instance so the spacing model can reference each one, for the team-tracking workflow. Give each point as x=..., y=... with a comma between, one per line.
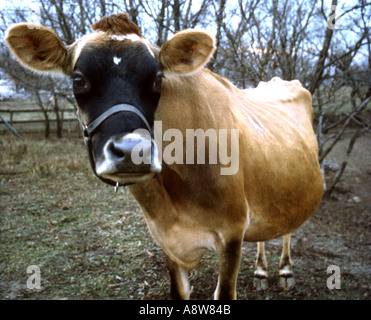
x=116, y=60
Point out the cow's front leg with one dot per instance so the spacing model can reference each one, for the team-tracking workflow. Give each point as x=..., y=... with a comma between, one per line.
x=180, y=289
x=229, y=265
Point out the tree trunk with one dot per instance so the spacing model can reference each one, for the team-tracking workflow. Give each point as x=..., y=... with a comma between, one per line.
x=317, y=77
x=45, y=113
x=58, y=117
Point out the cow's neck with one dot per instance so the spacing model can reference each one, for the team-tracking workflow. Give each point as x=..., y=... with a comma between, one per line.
x=200, y=101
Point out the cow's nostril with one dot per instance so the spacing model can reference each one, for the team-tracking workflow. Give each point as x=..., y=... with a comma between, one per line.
x=116, y=150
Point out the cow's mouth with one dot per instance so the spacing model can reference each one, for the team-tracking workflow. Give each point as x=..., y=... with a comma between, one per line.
x=130, y=178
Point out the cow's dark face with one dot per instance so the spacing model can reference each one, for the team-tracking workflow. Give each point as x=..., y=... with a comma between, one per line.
x=118, y=70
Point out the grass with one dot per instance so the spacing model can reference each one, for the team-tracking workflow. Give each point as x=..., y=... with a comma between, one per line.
x=336, y=102
x=91, y=243
x=57, y=215
x=36, y=115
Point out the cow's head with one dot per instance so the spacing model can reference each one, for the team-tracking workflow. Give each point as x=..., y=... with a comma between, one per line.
x=117, y=78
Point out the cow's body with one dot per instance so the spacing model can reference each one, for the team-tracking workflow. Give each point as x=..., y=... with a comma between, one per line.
x=191, y=208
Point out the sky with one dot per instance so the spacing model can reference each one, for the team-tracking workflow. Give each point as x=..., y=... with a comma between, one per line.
x=16, y=3
x=33, y=7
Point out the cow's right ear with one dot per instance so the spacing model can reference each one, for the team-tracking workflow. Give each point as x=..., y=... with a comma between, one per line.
x=186, y=52
x=38, y=48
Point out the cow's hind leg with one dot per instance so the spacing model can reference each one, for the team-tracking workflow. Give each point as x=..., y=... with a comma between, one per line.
x=286, y=274
x=180, y=288
x=261, y=269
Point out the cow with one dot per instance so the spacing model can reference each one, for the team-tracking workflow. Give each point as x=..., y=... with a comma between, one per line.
x=125, y=87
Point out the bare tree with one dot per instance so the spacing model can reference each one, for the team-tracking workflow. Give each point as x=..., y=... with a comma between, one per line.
x=343, y=91
x=255, y=41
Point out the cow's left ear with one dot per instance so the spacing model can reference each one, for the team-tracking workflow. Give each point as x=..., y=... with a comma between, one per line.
x=186, y=52
x=38, y=48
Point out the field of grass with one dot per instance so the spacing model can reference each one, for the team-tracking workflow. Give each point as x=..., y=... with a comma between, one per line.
x=57, y=215
x=91, y=243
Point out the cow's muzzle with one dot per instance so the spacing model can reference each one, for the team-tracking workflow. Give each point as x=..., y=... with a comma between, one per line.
x=129, y=159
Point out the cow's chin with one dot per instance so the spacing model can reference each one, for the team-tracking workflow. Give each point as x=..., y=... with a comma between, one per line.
x=130, y=178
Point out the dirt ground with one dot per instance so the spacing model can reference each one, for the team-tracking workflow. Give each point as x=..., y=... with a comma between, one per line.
x=90, y=243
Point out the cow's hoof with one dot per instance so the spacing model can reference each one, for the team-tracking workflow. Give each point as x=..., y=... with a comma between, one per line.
x=261, y=280
x=287, y=280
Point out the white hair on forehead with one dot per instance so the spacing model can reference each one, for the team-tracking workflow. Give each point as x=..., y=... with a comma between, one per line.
x=132, y=37
x=122, y=37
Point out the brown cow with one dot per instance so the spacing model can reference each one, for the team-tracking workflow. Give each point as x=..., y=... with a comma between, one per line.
x=190, y=204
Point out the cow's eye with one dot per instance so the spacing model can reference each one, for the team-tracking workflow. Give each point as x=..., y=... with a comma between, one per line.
x=158, y=82
x=80, y=83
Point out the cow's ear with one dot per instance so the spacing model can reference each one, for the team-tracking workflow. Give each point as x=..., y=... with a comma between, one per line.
x=38, y=48
x=186, y=52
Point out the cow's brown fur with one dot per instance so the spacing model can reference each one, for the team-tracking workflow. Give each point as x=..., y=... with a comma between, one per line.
x=119, y=24
x=192, y=208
